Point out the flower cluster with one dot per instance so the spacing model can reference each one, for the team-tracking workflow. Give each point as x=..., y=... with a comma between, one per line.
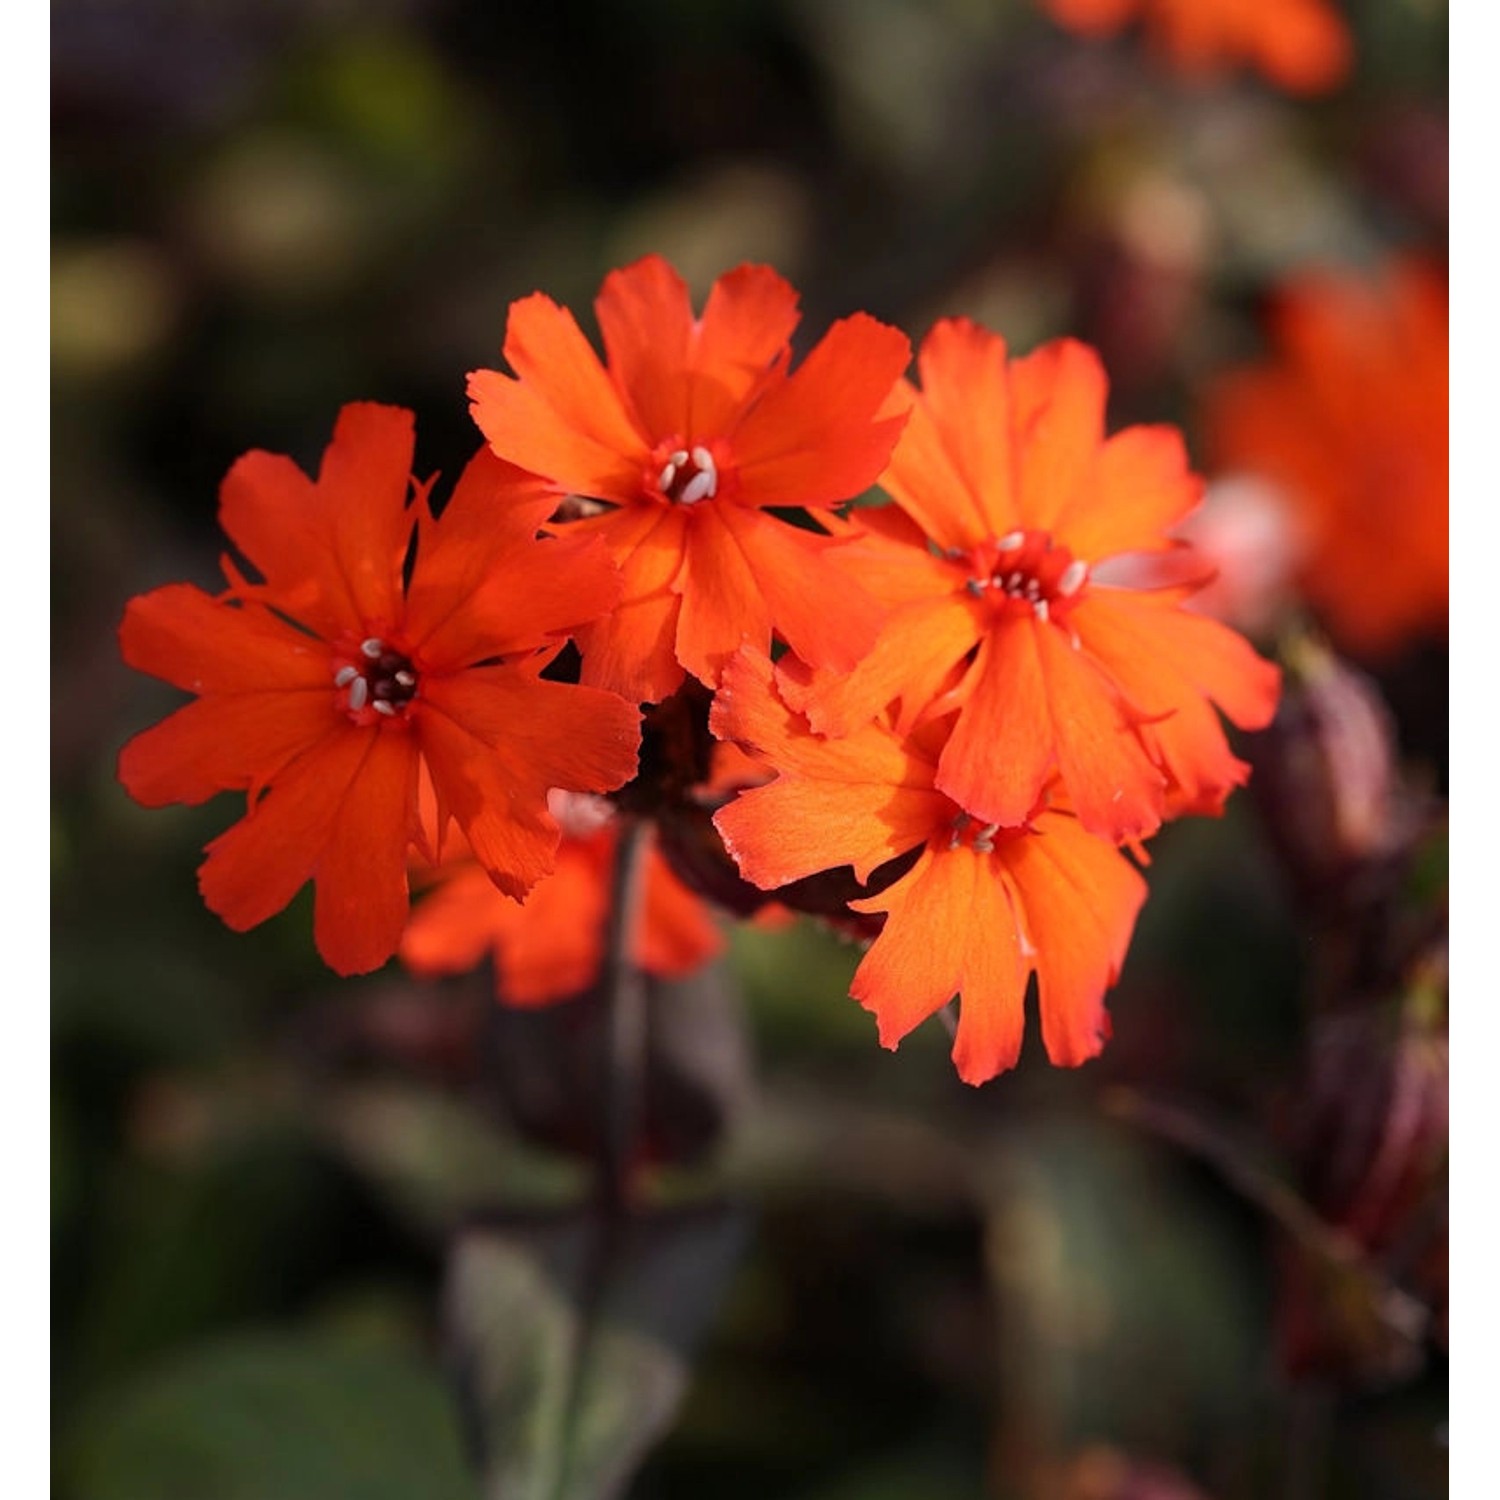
x=941, y=699
x=1348, y=419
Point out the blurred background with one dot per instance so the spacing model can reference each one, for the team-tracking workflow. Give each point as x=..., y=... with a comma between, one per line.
x=1210, y=1265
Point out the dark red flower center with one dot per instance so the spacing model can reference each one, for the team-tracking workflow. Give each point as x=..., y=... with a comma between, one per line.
x=375, y=680
x=686, y=475
x=1026, y=568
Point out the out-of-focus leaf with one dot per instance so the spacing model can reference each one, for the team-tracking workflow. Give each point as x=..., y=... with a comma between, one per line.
x=437, y=1159
x=271, y=1417
x=1126, y=1313
x=571, y=1338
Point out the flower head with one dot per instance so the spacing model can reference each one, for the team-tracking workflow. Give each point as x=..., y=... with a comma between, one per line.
x=324, y=688
x=1009, y=498
x=1301, y=45
x=686, y=436
x=553, y=946
x=979, y=911
x=1350, y=419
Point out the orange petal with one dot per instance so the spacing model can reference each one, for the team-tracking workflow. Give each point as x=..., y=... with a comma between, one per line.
x=272, y=513
x=677, y=934
x=235, y=742
x=793, y=827
x=1079, y=898
x=485, y=584
x=561, y=417
x=646, y=319
x=489, y=524
x=257, y=866
x=817, y=439
x=632, y=650
x=1141, y=485
x=795, y=571
x=362, y=492
x=967, y=393
x=207, y=645
x=1001, y=750
x=1110, y=780
x=549, y=949
x=1219, y=663
x=746, y=328
x=360, y=891
x=496, y=738
x=924, y=481
x=1057, y=395
x=859, y=801
x=722, y=605
x=911, y=661
x=1304, y=46
x=949, y=930
x=454, y=925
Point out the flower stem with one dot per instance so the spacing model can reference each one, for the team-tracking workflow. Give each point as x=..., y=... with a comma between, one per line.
x=622, y=1065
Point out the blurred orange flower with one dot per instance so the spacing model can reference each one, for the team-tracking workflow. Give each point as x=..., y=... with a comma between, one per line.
x=687, y=435
x=979, y=911
x=1349, y=417
x=1302, y=45
x=552, y=947
x=1009, y=496
x=327, y=722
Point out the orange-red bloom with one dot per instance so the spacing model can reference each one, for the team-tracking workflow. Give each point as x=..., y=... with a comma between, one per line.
x=980, y=909
x=1010, y=496
x=1350, y=419
x=324, y=722
x=553, y=946
x=692, y=429
x=1302, y=45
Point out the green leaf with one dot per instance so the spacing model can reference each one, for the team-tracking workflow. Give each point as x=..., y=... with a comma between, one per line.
x=572, y=1337
x=272, y=1417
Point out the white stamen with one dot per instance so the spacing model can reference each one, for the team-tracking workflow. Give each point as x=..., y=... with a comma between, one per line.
x=704, y=459
x=699, y=487
x=982, y=845
x=382, y=707
x=406, y=679
x=1011, y=540
x=359, y=692
x=1012, y=581
x=344, y=676
x=372, y=648
x=1072, y=578
x=678, y=458
x=1040, y=610
x=1033, y=589
x=665, y=478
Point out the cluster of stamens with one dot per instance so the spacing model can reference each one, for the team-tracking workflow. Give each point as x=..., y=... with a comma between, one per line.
x=980, y=837
x=382, y=682
x=1026, y=566
x=688, y=477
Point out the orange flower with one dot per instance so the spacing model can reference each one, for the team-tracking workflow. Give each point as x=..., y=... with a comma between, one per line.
x=552, y=947
x=1350, y=419
x=1010, y=496
x=1302, y=45
x=688, y=435
x=325, y=722
x=979, y=910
